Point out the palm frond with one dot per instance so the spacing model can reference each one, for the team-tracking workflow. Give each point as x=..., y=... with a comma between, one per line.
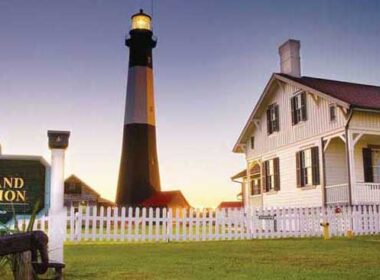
x=33, y=217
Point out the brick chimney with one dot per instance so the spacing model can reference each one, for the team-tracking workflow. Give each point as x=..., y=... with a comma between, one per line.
x=290, y=58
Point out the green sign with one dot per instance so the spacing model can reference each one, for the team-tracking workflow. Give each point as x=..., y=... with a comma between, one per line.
x=23, y=184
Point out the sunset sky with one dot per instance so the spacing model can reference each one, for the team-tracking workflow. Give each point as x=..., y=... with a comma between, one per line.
x=63, y=66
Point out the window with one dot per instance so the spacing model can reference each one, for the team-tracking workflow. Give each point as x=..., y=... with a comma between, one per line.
x=271, y=175
x=252, y=142
x=298, y=106
x=376, y=165
x=255, y=185
x=371, y=163
x=332, y=112
x=307, y=167
x=72, y=188
x=273, y=122
x=307, y=162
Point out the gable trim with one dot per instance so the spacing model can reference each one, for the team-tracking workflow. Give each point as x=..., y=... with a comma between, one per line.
x=280, y=79
x=313, y=91
x=237, y=147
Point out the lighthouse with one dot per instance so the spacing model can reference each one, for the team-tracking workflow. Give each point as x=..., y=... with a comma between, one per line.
x=139, y=176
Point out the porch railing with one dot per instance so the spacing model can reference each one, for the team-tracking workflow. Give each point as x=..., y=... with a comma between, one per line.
x=337, y=194
x=366, y=193
x=362, y=193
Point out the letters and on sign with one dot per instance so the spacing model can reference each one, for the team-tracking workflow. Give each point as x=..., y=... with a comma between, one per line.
x=23, y=185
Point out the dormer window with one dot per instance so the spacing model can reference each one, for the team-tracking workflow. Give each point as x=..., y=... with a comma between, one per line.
x=273, y=119
x=298, y=106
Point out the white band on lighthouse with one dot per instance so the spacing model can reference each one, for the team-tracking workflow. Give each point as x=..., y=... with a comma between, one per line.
x=140, y=96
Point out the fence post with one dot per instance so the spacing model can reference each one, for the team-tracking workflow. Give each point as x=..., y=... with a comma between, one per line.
x=157, y=223
x=248, y=221
x=76, y=227
x=115, y=223
x=94, y=222
x=150, y=224
x=137, y=223
x=177, y=223
x=122, y=224
x=143, y=224
x=169, y=225
x=191, y=216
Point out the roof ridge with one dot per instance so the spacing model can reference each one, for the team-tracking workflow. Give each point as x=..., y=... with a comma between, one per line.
x=329, y=80
x=343, y=82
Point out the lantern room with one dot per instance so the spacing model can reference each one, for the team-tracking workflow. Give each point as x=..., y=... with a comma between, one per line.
x=141, y=21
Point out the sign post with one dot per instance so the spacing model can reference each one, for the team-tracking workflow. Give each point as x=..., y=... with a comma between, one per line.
x=58, y=142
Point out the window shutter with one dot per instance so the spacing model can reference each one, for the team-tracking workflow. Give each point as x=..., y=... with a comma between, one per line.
x=315, y=165
x=303, y=106
x=298, y=168
x=277, y=117
x=269, y=126
x=367, y=163
x=293, y=109
x=264, y=176
x=276, y=165
x=252, y=187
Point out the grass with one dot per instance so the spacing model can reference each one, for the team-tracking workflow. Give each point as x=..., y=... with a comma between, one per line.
x=255, y=259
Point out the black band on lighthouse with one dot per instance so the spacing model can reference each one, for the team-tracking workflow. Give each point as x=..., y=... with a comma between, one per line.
x=141, y=44
x=139, y=173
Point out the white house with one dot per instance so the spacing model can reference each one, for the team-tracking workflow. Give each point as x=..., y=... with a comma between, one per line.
x=311, y=141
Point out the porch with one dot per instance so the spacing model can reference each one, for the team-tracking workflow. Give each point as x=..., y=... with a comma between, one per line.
x=352, y=168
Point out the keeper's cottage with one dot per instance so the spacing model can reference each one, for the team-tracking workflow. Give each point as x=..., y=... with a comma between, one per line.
x=311, y=141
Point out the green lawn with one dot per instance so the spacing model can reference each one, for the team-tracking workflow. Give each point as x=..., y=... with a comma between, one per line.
x=256, y=259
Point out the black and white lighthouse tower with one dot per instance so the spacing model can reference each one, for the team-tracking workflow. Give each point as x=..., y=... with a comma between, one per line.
x=139, y=173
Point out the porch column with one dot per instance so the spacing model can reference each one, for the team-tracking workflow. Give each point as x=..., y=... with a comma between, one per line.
x=350, y=150
x=246, y=187
x=322, y=170
x=261, y=183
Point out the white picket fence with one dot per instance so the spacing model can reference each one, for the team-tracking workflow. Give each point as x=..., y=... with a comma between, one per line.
x=162, y=225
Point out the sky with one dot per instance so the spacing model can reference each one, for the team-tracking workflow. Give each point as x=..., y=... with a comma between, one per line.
x=63, y=66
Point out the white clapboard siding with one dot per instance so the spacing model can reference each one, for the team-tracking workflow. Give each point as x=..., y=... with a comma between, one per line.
x=290, y=134
x=179, y=225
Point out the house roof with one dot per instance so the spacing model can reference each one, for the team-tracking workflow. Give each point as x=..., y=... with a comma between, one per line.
x=241, y=174
x=345, y=94
x=83, y=184
x=357, y=95
x=230, y=204
x=107, y=202
x=163, y=199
